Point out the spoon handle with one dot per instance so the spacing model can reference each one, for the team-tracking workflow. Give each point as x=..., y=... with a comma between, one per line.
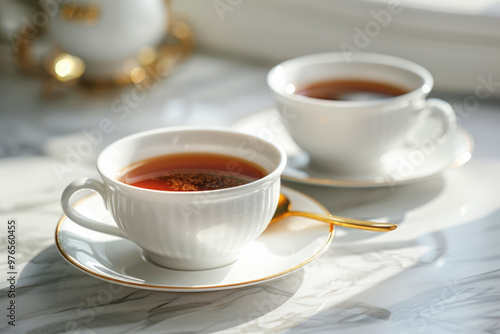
x=346, y=222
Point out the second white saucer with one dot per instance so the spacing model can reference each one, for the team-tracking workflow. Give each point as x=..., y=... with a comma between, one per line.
x=407, y=164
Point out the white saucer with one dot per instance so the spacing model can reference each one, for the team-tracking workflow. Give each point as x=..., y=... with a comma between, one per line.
x=407, y=164
x=284, y=247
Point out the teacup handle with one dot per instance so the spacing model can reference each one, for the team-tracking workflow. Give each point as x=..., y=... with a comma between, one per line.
x=446, y=114
x=77, y=217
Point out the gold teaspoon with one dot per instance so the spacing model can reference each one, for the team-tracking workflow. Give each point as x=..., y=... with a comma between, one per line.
x=283, y=211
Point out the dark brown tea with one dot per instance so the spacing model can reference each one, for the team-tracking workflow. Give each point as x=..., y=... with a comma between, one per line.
x=191, y=172
x=350, y=90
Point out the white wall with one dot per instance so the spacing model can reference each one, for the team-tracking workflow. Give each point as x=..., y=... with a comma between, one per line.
x=458, y=42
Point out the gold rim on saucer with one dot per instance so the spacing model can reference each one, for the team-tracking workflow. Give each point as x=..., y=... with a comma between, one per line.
x=259, y=120
x=81, y=266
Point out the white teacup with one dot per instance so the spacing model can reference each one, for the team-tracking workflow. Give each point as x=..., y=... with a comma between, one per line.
x=182, y=230
x=352, y=137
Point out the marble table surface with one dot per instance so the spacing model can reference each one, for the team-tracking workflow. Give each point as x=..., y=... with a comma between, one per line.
x=439, y=272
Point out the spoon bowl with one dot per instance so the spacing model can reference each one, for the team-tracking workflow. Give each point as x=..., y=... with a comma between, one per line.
x=283, y=210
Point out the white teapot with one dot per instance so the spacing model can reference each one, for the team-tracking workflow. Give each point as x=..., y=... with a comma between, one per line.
x=106, y=33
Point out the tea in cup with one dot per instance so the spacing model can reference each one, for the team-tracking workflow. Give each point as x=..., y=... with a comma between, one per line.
x=190, y=197
x=350, y=114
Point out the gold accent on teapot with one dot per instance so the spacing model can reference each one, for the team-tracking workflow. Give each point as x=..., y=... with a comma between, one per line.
x=78, y=13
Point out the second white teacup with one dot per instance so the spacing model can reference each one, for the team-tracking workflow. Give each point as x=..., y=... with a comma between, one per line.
x=352, y=137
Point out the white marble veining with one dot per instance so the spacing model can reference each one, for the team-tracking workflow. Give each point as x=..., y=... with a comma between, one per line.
x=437, y=273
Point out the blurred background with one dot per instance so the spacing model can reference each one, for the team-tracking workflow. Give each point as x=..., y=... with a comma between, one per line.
x=101, y=69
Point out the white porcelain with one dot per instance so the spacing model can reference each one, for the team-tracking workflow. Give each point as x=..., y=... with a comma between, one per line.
x=285, y=246
x=406, y=164
x=184, y=230
x=121, y=29
x=349, y=137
